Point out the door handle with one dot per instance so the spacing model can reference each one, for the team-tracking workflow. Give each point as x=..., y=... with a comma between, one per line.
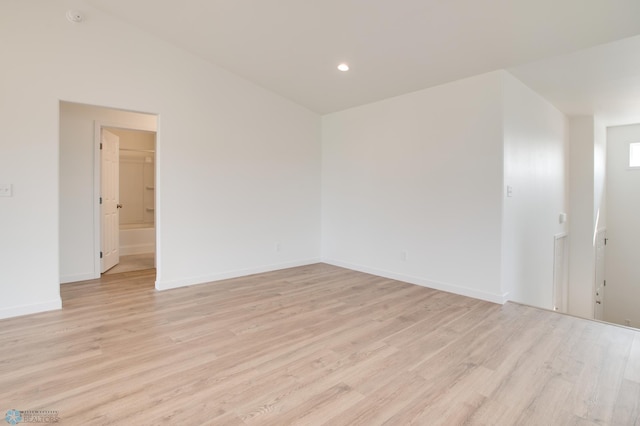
x=598, y=302
x=119, y=206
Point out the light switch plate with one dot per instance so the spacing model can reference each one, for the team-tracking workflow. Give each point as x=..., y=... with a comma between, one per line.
x=5, y=190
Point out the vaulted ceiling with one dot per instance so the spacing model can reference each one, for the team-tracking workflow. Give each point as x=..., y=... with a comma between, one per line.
x=293, y=47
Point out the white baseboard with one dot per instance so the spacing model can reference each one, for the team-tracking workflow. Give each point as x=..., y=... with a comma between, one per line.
x=167, y=285
x=450, y=288
x=16, y=311
x=78, y=277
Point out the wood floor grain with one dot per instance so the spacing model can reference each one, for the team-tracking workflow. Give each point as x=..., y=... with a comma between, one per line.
x=312, y=345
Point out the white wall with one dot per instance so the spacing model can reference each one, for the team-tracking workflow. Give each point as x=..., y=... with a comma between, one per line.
x=582, y=222
x=622, y=294
x=239, y=167
x=420, y=173
x=79, y=246
x=535, y=167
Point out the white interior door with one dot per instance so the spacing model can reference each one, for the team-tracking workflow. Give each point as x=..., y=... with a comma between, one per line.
x=598, y=311
x=110, y=182
x=623, y=228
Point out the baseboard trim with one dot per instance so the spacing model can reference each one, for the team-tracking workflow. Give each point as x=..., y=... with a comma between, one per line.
x=17, y=311
x=450, y=288
x=206, y=279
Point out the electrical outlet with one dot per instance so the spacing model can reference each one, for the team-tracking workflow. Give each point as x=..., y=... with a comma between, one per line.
x=276, y=246
x=5, y=190
x=404, y=255
x=627, y=322
x=509, y=191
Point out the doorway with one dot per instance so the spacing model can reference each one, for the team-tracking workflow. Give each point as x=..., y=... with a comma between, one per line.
x=134, y=186
x=80, y=226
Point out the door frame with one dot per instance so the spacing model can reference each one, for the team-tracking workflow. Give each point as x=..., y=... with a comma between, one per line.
x=97, y=187
x=600, y=235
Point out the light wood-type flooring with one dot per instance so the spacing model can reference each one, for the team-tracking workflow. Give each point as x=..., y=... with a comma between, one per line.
x=134, y=262
x=312, y=345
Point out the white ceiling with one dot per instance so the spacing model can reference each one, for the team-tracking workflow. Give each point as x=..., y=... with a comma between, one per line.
x=292, y=47
x=603, y=81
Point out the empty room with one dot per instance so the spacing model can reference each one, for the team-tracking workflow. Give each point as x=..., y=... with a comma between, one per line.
x=331, y=212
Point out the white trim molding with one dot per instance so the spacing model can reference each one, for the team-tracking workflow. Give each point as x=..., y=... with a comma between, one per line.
x=206, y=279
x=450, y=288
x=16, y=311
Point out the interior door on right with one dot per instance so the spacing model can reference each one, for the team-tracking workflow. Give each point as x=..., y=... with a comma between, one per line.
x=623, y=226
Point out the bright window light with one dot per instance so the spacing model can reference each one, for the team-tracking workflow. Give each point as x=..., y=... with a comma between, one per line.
x=634, y=154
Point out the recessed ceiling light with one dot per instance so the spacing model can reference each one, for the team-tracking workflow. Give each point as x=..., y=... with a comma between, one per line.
x=343, y=67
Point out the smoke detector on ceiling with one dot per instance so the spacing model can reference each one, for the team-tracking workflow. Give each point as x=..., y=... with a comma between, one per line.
x=75, y=16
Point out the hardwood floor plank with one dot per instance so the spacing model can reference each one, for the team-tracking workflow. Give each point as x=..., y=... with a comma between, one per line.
x=312, y=345
x=632, y=369
x=601, y=377
x=381, y=403
x=627, y=408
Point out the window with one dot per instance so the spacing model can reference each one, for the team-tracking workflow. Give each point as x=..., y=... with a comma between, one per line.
x=634, y=154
